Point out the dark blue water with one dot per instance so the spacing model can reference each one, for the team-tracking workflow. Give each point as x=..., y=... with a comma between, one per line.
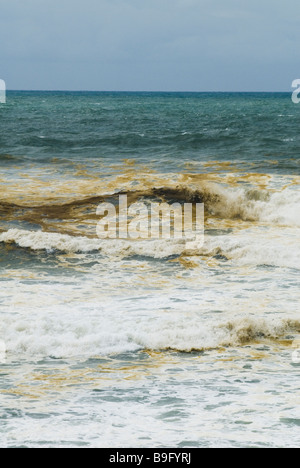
x=164, y=129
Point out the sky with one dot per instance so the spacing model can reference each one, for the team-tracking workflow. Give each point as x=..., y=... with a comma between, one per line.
x=150, y=45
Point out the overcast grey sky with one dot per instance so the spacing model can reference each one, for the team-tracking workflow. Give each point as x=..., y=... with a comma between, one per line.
x=137, y=45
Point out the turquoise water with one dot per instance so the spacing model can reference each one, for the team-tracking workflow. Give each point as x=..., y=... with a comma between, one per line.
x=153, y=128
x=122, y=343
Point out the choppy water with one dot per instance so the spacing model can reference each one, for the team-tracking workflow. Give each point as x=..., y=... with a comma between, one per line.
x=143, y=343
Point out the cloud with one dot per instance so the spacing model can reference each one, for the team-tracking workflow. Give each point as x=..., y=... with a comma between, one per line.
x=134, y=44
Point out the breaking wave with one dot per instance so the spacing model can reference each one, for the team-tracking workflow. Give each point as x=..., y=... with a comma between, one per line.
x=246, y=248
x=278, y=207
x=71, y=333
x=270, y=236
x=51, y=242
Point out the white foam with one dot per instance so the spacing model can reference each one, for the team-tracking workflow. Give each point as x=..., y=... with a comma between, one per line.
x=257, y=247
x=83, y=331
x=2, y=351
x=190, y=335
x=272, y=207
x=38, y=240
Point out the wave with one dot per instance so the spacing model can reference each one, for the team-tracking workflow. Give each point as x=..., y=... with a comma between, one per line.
x=70, y=333
x=51, y=242
x=246, y=248
x=9, y=158
x=255, y=247
x=191, y=337
x=222, y=201
x=132, y=140
x=247, y=204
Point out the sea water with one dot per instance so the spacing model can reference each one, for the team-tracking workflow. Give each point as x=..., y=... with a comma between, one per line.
x=141, y=343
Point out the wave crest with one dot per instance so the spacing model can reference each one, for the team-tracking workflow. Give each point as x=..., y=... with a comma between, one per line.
x=59, y=336
x=221, y=201
x=245, y=248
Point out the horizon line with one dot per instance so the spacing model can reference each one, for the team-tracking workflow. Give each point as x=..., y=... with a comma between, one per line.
x=136, y=91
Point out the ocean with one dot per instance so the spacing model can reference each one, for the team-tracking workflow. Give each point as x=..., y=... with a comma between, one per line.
x=142, y=343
